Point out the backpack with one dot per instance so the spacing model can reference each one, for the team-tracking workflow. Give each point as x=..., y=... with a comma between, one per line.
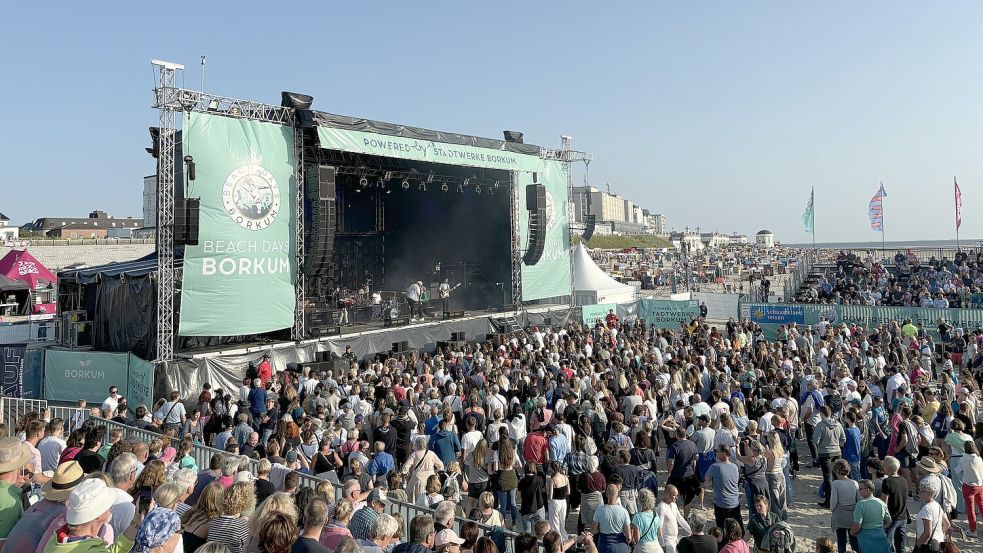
x=947, y=494
x=911, y=443
x=779, y=538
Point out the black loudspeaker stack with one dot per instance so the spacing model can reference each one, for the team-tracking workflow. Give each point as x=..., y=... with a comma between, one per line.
x=320, y=228
x=536, y=205
x=589, y=223
x=186, y=212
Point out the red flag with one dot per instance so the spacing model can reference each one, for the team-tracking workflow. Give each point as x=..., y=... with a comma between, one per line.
x=959, y=203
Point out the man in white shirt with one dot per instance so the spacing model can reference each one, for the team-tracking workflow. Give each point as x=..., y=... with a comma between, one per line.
x=413, y=297
x=52, y=445
x=672, y=519
x=112, y=402
x=123, y=470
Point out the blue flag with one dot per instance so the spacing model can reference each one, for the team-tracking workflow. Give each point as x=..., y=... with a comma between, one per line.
x=809, y=217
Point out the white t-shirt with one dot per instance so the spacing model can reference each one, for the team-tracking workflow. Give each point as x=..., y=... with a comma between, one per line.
x=50, y=449
x=468, y=442
x=932, y=512
x=111, y=403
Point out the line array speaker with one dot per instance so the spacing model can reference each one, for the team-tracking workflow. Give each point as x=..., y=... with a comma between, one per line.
x=537, y=237
x=320, y=229
x=535, y=197
x=589, y=223
x=186, y=211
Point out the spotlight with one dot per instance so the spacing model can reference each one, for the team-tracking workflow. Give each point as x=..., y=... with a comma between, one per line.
x=460, y=189
x=466, y=181
x=389, y=175
x=363, y=182
x=381, y=183
x=443, y=188
x=406, y=184
x=430, y=177
x=423, y=187
x=477, y=189
x=496, y=184
x=389, y=191
x=212, y=104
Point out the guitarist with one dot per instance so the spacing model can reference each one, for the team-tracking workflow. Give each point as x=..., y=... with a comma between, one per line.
x=445, y=295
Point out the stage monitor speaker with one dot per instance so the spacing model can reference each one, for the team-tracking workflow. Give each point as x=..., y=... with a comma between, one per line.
x=457, y=336
x=401, y=346
x=589, y=223
x=513, y=136
x=537, y=237
x=319, y=238
x=535, y=197
x=180, y=221
x=193, y=211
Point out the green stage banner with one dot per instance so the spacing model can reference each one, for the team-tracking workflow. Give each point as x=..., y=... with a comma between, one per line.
x=425, y=150
x=667, y=313
x=593, y=313
x=550, y=277
x=139, y=381
x=240, y=277
x=75, y=375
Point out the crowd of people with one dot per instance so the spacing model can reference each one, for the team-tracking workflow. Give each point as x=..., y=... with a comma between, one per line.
x=603, y=438
x=866, y=280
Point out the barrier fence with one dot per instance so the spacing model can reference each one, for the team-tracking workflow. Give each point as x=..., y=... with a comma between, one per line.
x=14, y=408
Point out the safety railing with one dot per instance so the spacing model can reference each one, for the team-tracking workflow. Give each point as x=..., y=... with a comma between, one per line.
x=203, y=455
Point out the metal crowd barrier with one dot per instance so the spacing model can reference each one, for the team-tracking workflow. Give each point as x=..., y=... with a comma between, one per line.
x=15, y=408
x=203, y=455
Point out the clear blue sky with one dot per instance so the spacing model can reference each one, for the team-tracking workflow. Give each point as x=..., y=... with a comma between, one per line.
x=718, y=114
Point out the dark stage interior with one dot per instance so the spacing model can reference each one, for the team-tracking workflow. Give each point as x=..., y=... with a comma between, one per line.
x=426, y=222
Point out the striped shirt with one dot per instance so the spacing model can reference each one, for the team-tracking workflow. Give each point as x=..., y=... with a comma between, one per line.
x=232, y=531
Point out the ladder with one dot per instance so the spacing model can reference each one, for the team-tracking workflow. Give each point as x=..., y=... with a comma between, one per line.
x=512, y=327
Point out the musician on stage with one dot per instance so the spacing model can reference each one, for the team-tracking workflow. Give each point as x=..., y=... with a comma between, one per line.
x=413, y=298
x=376, y=306
x=445, y=295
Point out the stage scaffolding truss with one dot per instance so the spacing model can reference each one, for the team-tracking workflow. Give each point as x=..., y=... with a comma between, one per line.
x=170, y=100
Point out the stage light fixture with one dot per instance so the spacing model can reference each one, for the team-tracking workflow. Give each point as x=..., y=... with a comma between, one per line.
x=477, y=189
x=389, y=191
x=296, y=100
x=212, y=104
x=363, y=182
x=423, y=187
x=443, y=188
x=467, y=181
x=381, y=183
x=460, y=189
x=430, y=177
x=496, y=184
x=406, y=184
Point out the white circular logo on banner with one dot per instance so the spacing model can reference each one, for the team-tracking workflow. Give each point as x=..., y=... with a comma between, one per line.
x=550, y=211
x=251, y=197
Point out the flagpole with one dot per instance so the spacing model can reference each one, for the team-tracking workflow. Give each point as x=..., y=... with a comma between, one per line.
x=812, y=196
x=881, y=192
x=955, y=199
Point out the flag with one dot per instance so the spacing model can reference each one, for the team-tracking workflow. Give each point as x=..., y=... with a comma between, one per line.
x=876, y=210
x=959, y=203
x=809, y=217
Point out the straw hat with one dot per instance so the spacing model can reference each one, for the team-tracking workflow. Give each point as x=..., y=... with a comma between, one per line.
x=929, y=464
x=68, y=475
x=13, y=454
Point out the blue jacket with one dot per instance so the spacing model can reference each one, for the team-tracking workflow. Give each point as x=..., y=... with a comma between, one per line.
x=446, y=445
x=257, y=400
x=851, y=451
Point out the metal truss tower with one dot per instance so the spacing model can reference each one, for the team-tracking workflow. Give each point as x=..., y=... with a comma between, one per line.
x=166, y=101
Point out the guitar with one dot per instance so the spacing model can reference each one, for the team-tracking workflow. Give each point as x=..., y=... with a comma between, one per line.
x=447, y=294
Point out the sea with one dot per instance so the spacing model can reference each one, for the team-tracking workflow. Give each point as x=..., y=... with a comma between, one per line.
x=893, y=244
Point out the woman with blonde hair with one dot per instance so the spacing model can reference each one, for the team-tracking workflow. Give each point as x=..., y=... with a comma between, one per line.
x=232, y=527
x=153, y=475
x=197, y=521
x=279, y=503
x=336, y=530
x=432, y=495
x=739, y=415
x=487, y=514
x=646, y=526
x=774, y=455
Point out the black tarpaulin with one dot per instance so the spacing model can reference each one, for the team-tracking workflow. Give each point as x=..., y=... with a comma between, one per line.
x=11, y=285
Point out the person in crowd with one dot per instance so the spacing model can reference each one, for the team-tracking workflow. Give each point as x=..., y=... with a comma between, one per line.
x=363, y=520
x=829, y=439
x=734, y=538
x=697, y=541
x=894, y=494
x=646, y=526
x=531, y=500
x=52, y=444
x=870, y=517
x=932, y=523
x=14, y=460
x=88, y=510
x=612, y=524
x=970, y=471
x=844, y=495
x=337, y=527
x=38, y=523
x=422, y=534
x=724, y=476
x=232, y=526
x=761, y=520
x=196, y=523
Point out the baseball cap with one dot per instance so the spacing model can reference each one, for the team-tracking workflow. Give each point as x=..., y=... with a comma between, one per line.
x=378, y=494
x=445, y=537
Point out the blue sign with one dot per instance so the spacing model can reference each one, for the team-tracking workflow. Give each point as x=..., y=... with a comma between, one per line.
x=778, y=314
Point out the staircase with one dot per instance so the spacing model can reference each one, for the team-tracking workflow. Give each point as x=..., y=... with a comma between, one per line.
x=510, y=326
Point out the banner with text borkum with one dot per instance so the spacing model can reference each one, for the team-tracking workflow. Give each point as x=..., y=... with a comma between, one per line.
x=667, y=313
x=550, y=278
x=240, y=277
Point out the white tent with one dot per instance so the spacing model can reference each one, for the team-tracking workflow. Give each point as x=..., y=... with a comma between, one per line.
x=591, y=285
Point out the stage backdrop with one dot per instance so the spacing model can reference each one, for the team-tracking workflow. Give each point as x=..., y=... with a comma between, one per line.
x=590, y=314
x=550, y=278
x=240, y=277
